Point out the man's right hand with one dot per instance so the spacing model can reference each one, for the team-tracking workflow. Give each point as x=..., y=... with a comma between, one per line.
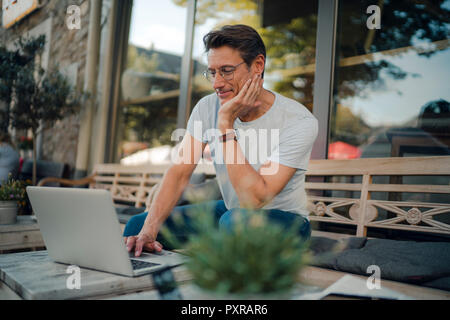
x=141, y=242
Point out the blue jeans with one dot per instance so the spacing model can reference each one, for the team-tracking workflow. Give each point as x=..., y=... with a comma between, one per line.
x=222, y=216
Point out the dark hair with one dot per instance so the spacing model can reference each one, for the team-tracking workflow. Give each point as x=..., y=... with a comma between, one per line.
x=243, y=38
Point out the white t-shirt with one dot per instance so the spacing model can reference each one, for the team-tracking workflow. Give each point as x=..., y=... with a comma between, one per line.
x=283, y=135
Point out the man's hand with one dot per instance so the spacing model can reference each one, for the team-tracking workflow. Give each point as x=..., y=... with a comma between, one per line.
x=140, y=242
x=241, y=104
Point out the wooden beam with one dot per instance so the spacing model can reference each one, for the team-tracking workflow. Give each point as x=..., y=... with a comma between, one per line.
x=152, y=98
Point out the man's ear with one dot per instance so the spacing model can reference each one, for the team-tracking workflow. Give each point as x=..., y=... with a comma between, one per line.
x=259, y=64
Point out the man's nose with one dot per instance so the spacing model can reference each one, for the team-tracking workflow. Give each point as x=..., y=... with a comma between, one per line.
x=219, y=81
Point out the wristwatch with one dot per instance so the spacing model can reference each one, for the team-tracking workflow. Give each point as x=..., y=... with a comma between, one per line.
x=228, y=136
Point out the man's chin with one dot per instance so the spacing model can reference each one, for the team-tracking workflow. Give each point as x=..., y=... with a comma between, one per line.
x=223, y=101
x=223, y=98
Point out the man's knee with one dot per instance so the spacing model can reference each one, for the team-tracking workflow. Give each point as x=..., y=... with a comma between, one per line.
x=134, y=225
x=305, y=229
x=230, y=218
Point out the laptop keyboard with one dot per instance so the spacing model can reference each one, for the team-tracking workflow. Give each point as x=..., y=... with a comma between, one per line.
x=138, y=264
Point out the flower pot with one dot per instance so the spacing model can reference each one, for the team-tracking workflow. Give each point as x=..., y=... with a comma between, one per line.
x=8, y=212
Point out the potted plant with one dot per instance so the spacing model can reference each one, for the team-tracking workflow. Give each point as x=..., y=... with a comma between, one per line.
x=256, y=260
x=35, y=98
x=12, y=196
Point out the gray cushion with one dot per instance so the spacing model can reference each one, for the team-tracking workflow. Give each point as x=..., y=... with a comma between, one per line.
x=405, y=261
x=441, y=283
x=325, y=250
x=198, y=190
x=125, y=213
x=206, y=191
x=129, y=210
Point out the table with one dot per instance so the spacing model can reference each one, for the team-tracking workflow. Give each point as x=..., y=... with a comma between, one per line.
x=33, y=275
x=24, y=234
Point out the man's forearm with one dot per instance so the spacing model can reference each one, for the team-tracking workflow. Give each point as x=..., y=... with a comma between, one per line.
x=174, y=182
x=249, y=185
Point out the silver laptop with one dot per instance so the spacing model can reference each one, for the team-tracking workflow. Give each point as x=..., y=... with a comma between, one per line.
x=80, y=227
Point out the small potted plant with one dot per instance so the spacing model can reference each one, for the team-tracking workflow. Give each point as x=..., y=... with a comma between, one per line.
x=12, y=196
x=255, y=260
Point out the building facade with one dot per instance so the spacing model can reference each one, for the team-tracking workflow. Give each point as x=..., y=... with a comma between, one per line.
x=374, y=72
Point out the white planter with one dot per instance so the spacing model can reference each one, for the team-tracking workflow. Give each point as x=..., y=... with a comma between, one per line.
x=8, y=212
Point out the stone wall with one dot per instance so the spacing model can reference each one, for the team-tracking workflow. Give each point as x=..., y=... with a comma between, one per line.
x=66, y=51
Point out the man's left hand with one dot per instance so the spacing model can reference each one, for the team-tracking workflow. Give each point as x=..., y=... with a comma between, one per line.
x=241, y=104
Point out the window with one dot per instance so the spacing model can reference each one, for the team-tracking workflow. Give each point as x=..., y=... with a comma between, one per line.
x=150, y=83
x=391, y=84
x=288, y=29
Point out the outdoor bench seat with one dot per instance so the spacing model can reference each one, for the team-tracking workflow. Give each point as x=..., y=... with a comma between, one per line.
x=364, y=201
x=371, y=198
x=419, y=263
x=132, y=186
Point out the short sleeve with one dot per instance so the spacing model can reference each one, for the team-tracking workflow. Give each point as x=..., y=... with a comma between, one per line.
x=195, y=125
x=295, y=144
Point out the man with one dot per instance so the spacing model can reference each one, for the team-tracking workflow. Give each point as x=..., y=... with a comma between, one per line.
x=237, y=120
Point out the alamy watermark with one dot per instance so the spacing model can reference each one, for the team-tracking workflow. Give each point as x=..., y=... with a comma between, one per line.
x=73, y=282
x=261, y=145
x=73, y=17
x=374, y=21
x=374, y=281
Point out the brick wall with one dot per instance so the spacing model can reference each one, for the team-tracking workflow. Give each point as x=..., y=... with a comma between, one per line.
x=67, y=51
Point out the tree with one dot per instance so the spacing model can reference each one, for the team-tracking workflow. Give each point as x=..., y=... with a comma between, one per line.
x=38, y=98
x=10, y=63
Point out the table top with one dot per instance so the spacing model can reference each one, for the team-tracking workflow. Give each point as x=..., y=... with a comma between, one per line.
x=34, y=276
x=24, y=223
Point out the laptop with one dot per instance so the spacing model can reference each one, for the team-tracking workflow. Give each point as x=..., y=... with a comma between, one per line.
x=80, y=227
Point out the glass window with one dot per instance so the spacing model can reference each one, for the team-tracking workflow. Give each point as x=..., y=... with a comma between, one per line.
x=288, y=29
x=150, y=84
x=392, y=94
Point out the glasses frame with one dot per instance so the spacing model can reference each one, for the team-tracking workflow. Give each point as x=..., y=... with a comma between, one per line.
x=209, y=76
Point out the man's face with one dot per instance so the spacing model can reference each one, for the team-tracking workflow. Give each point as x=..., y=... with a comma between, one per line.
x=223, y=57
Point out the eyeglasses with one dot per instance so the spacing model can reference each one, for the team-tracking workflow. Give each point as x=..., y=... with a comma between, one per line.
x=227, y=72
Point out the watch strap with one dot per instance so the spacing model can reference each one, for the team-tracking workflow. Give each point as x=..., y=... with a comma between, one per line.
x=228, y=136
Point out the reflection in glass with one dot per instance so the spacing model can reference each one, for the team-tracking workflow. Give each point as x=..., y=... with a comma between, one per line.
x=391, y=85
x=288, y=30
x=151, y=81
x=392, y=92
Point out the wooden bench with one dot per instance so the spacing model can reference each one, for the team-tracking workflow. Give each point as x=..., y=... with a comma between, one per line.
x=344, y=192
x=410, y=194
x=129, y=185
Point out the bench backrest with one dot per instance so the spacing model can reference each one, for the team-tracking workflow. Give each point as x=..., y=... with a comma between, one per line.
x=391, y=193
x=132, y=184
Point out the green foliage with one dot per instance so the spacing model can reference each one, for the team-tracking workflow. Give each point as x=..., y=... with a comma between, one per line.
x=48, y=99
x=349, y=127
x=256, y=257
x=13, y=190
x=32, y=95
x=140, y=62
x=11, y=62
